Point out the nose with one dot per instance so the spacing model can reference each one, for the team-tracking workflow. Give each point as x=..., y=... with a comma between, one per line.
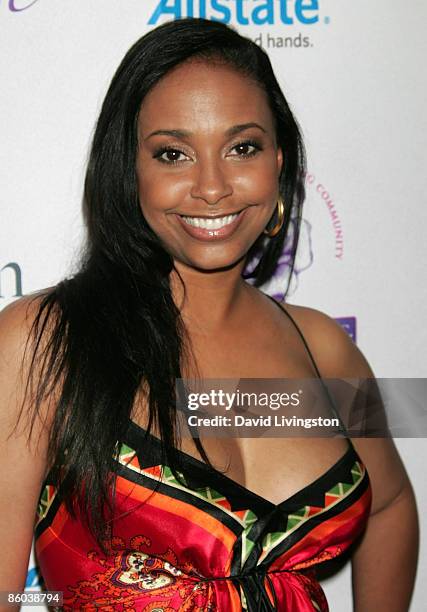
x=211, y=182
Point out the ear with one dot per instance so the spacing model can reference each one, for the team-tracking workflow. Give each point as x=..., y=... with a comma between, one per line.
x=279, y=159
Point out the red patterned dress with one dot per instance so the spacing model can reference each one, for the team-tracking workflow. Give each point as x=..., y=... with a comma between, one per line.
x=211, y=545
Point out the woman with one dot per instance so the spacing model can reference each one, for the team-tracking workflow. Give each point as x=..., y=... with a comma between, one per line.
x=196, y=167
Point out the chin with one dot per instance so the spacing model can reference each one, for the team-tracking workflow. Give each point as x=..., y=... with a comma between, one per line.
x=213, y=264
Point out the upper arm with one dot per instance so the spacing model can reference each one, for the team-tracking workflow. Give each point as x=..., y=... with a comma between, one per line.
x=337, y=357
x=22, y=459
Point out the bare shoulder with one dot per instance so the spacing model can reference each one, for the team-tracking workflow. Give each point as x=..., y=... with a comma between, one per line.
x=334, y=351
x=16, y=320
x=19, y=315
x=337, y=356
x=16, y=352
x=21, y=324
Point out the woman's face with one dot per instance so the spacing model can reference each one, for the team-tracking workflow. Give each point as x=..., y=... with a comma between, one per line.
x=208, y=164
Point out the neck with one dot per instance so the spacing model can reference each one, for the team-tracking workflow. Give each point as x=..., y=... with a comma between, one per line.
x=211, y=297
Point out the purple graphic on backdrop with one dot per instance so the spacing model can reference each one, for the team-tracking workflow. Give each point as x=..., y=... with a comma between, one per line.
x=16, y=6
x=276, y=286
x=349, y=325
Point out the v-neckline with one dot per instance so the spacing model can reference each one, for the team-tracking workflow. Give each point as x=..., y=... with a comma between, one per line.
x=350, y=452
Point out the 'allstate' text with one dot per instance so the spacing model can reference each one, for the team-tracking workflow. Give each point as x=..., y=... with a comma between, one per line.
x=243, y=12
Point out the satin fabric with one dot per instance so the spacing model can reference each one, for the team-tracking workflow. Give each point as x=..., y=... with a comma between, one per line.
x=211, y=545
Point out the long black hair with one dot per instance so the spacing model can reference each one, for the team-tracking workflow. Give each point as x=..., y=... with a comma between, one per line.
x=113, y=328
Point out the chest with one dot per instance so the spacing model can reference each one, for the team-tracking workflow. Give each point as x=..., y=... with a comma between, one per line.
x=274, y=468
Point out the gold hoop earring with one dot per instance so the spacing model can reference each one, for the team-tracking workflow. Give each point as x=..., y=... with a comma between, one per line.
x=280, y=218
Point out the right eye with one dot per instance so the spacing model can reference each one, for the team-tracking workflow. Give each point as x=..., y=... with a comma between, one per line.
x=169, y=155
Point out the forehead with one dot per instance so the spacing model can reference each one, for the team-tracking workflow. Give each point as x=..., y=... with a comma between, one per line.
x=206, y=95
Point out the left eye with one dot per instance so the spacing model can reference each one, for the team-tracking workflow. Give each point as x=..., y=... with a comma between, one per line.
x=246, y=149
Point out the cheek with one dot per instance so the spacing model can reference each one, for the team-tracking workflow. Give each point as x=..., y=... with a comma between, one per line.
x=259, y=185
x=159, y=194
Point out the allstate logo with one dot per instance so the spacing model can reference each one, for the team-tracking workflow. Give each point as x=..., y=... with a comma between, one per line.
x=243, y=12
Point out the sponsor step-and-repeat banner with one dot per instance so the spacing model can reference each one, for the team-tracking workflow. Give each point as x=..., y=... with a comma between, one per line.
x=351, y=73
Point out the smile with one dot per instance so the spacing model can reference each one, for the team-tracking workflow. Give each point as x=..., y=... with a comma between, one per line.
x=207, y=229
x=211, y=224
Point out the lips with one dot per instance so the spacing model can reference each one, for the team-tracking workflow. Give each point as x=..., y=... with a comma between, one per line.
x=211, y=228
x=212, y=223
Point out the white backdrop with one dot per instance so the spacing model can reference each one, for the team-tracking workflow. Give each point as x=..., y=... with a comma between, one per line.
x=354, y=79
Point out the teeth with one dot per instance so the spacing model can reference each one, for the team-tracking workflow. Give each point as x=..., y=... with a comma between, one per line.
x=210, y=223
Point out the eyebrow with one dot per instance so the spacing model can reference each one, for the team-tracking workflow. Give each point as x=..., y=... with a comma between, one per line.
x=235, y=129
